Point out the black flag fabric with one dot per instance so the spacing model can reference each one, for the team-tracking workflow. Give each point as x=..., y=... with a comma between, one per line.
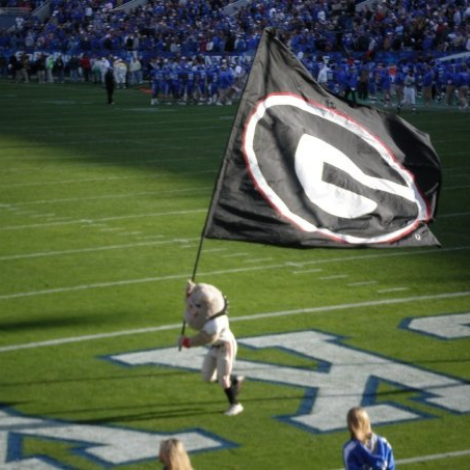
x=306, y=168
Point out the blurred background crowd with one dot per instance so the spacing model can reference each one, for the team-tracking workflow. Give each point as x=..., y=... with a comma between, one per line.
x=374, y=40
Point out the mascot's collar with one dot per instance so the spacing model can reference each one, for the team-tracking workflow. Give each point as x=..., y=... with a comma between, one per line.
x=224, y=310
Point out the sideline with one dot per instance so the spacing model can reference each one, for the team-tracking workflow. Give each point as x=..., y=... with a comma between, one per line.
x=256, y=316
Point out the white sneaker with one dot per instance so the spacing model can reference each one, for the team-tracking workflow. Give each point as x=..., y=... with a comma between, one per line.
x=234, y=410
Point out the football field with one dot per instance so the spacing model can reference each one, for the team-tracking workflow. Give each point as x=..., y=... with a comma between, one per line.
x=101, y=211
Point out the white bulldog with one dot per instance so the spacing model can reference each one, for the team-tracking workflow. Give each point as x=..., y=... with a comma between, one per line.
x=206, y=312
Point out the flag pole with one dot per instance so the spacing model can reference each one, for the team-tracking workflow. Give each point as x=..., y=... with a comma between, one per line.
x=216, y=190
x=193, y=277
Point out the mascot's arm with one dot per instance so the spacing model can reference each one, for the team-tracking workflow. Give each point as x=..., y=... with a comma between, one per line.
x=200, y=339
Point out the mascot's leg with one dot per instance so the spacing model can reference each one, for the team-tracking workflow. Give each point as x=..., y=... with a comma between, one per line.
x=230, y=383
x=209, y=367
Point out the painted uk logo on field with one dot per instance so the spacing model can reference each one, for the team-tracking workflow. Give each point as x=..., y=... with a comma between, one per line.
x=103, y=446
x=348, y=376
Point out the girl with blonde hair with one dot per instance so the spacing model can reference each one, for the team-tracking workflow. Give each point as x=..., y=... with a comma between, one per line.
x=173, y=455
x=365, y=450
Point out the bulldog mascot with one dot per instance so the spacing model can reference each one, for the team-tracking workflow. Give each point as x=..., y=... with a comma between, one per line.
x=206, y=312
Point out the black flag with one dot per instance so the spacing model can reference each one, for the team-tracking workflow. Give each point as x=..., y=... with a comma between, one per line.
x=306, y=168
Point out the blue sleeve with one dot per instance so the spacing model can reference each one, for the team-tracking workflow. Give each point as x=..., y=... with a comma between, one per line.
x=384, y=455
x=353, y=457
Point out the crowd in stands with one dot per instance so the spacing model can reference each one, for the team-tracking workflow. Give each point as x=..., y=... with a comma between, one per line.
x=199, y=26
x=351, y=38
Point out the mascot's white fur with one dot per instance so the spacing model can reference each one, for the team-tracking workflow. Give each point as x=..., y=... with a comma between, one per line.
x=206, y=312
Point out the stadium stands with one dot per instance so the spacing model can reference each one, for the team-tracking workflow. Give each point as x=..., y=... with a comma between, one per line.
x=374, y=32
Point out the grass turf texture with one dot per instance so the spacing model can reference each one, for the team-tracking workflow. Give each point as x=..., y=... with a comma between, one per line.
x=101, y=211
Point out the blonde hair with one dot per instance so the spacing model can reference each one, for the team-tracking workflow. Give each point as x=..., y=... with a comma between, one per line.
x=173, y=455
x=359, y=424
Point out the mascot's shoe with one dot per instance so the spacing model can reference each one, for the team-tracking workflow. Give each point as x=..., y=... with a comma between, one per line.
x=235, y=409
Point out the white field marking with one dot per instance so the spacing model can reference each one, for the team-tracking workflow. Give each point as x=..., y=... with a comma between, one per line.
x=427, y=458
x=235, y=255
x=308, y=271
x=111, y=196
x=458, y=214
x=454, y=169
x=361, y=283
x=392, y=289
x=253, y=317
x=77, y=339
x=295, y=264
x=382, y=255
x=126, y=282
x=57, y=219
x=35, y=216
x=257, y=260
x=29, y=212
x=214, y=250
x=336, y=276
x=104, y=219
x=43, y=254
x=79, y=165
x=213, y=273
x=109, y=229
x=149, y=237
x=92, y=180
x=458, y=187
x=130, y=234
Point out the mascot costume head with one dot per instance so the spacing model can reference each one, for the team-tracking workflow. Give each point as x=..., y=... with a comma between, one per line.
x=203, y=302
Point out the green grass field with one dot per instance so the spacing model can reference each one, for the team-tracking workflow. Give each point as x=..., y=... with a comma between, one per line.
x=101, y=212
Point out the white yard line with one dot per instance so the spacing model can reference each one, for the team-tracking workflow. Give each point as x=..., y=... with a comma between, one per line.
x=104, y=219
x=253, y=317
x=44, y=254
x=94, y=180
x=427, y=458
x=124, y=282
x=457, y=214
x=361, y=283
x=308, y=271
x=332, y=278
x=111, y=196
x=392, y=289
x=458, y=187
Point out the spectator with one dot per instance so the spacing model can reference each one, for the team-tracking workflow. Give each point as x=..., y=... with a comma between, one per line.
x=109, y=84
x=173, y=455
x=365, y=449
x=85, y=65
x=409, y=91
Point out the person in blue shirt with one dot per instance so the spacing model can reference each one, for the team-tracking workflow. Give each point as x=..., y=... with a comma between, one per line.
x=351, y=84
x=157, y=79
x=225, y=84
x=213, y=82
x=365, y=450
x=385, y=85
x=200, y=79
